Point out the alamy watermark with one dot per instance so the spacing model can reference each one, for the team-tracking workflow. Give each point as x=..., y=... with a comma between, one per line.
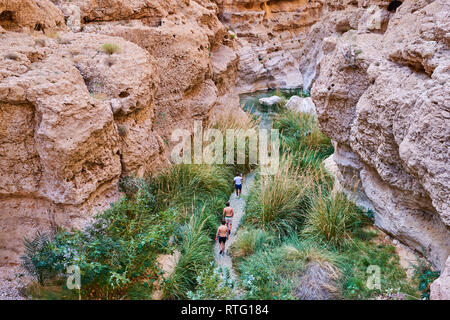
x=207, y=147
x=73, y=277
x=374, y=278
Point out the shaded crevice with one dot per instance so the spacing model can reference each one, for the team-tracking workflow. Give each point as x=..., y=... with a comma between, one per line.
x=8, y=20
x=393, y=5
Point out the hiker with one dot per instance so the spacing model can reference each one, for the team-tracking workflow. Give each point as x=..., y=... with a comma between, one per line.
x=227, y=215
x=238, y=183
x=223, y=236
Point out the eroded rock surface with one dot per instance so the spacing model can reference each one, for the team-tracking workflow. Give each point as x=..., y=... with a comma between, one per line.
x=383, y=98
x=79, y=109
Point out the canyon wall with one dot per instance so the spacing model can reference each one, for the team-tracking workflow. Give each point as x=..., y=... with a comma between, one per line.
x=269, y=36
x=91, y=91
x=382, y=95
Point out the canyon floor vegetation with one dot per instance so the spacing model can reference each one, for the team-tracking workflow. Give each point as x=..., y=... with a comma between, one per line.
x=298, y=238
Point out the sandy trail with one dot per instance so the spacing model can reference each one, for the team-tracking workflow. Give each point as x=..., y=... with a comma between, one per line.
x=238, y=205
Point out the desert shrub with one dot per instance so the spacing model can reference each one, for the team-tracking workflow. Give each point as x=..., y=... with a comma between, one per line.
x=130, y=186
x=110, y=48
x=350, y=56
x=331, y=219
x=424, y=276
x=213, y=283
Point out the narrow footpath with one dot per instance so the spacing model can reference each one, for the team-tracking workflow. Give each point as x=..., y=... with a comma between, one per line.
x=238, y=205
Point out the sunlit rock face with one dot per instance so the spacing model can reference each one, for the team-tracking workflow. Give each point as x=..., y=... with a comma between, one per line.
x=383, y=98
x=75, y=117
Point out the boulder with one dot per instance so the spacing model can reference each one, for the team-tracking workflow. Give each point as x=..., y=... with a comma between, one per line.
x=30, y=15
x=270, y=101
x=298, y=104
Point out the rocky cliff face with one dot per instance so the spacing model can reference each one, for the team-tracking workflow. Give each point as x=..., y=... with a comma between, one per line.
x=382, y=96
x=90, y=92
x=270, y=35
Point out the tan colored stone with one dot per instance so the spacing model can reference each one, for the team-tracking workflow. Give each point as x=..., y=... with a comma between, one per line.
x=382, y=98
x=440, y=288
x=39, y=15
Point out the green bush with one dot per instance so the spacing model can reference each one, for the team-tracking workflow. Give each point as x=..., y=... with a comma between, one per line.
x=35, y=260
x=425, y=276
x=248, y=242
x=358, y=255
x=213, y=283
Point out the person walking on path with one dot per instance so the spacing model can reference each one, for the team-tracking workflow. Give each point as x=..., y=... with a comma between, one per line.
x=238, y=184
x=227, y=215
x=222, y=235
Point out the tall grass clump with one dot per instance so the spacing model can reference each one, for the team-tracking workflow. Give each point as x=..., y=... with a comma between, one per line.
x=111, y=48
x=182, y=184
x=196, y=254
x=331, y=219
x=242, y=123
x=278, y=202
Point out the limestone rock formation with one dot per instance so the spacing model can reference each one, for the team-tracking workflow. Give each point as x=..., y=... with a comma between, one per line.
x=80, y=109
x=382, y=97
x=90, y=91
x=440, y=288
x=298, y=104
x=269, y=35
x=28, y=15
x=61, y=102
